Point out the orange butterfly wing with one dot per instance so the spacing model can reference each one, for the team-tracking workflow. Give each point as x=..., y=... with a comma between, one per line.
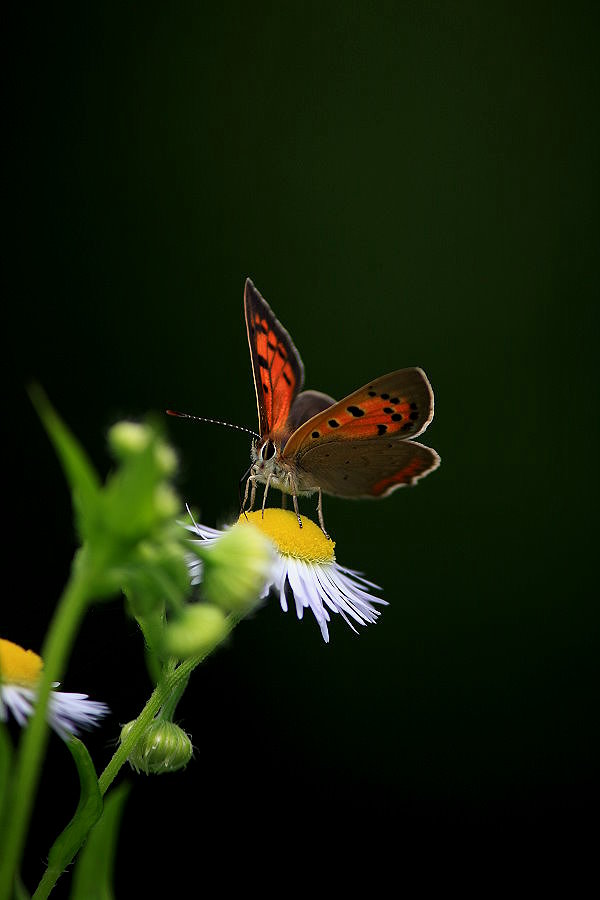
x=400, y=403
x=361, y=447
x=276, y=364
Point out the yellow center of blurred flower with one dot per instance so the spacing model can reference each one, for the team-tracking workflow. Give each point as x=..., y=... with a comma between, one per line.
x=281, y=526
x=19, y=666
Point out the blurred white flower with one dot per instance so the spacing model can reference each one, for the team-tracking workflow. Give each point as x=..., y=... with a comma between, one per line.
x=19, y=674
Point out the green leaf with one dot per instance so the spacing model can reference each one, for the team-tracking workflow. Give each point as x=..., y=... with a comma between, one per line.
x=92, y=878
x=89, y=810
x=79, y=472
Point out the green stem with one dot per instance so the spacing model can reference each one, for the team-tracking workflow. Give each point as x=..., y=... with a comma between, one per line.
x=171, y=685
x=49, y=879
x=55, y=653
x=170, y=705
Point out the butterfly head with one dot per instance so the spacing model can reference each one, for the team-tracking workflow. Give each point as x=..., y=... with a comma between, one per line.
x=267, y=464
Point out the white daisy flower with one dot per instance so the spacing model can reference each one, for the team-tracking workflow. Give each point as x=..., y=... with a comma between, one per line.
x=304, y=567
x=19, y=674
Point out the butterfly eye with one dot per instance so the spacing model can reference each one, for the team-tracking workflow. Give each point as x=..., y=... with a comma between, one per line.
x=268, y=450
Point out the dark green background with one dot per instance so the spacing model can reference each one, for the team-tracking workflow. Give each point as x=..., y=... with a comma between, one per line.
x=407, y=184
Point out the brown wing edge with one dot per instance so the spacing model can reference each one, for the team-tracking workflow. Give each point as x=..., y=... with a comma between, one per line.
x=437, y=459
x=427, y=384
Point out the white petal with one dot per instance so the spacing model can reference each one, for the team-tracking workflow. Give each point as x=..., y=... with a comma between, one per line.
x=358, y=576
x=65, y=712
x=68, y=713
x=311, y=596
x=19, y=700
x=280, y=581
x=343, y=597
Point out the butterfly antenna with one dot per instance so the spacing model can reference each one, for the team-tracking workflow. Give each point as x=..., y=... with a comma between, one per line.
x=180, y=415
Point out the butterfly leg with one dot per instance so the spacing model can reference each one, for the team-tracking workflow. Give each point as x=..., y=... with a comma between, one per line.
x=283, y=500
x=245, y=500
x=265, y=495
x=320, y=513
x=296, y=510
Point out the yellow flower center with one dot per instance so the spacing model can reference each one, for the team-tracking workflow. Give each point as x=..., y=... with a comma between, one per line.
x=281, y=526
x=19, y=666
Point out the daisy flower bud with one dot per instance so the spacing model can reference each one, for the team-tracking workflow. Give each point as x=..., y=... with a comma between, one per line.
x=196, y=630
x=129, y=439
x=237, y=567
x=137, y=500
x=20, y=671
x=163, y=747
x=166, y=501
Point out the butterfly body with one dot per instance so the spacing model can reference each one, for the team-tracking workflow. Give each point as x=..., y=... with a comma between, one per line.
x=361, y=446
x=268, y=460
x=284, y=476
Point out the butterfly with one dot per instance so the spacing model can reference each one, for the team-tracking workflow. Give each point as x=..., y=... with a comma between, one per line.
x=361, y=446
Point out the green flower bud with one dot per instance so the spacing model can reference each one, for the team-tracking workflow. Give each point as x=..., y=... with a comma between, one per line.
x=163, y=747
x=166, y=501
x=129, y=439
x=166, y=459
x=196, y=630
x=237, y=567
x=137, y=499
